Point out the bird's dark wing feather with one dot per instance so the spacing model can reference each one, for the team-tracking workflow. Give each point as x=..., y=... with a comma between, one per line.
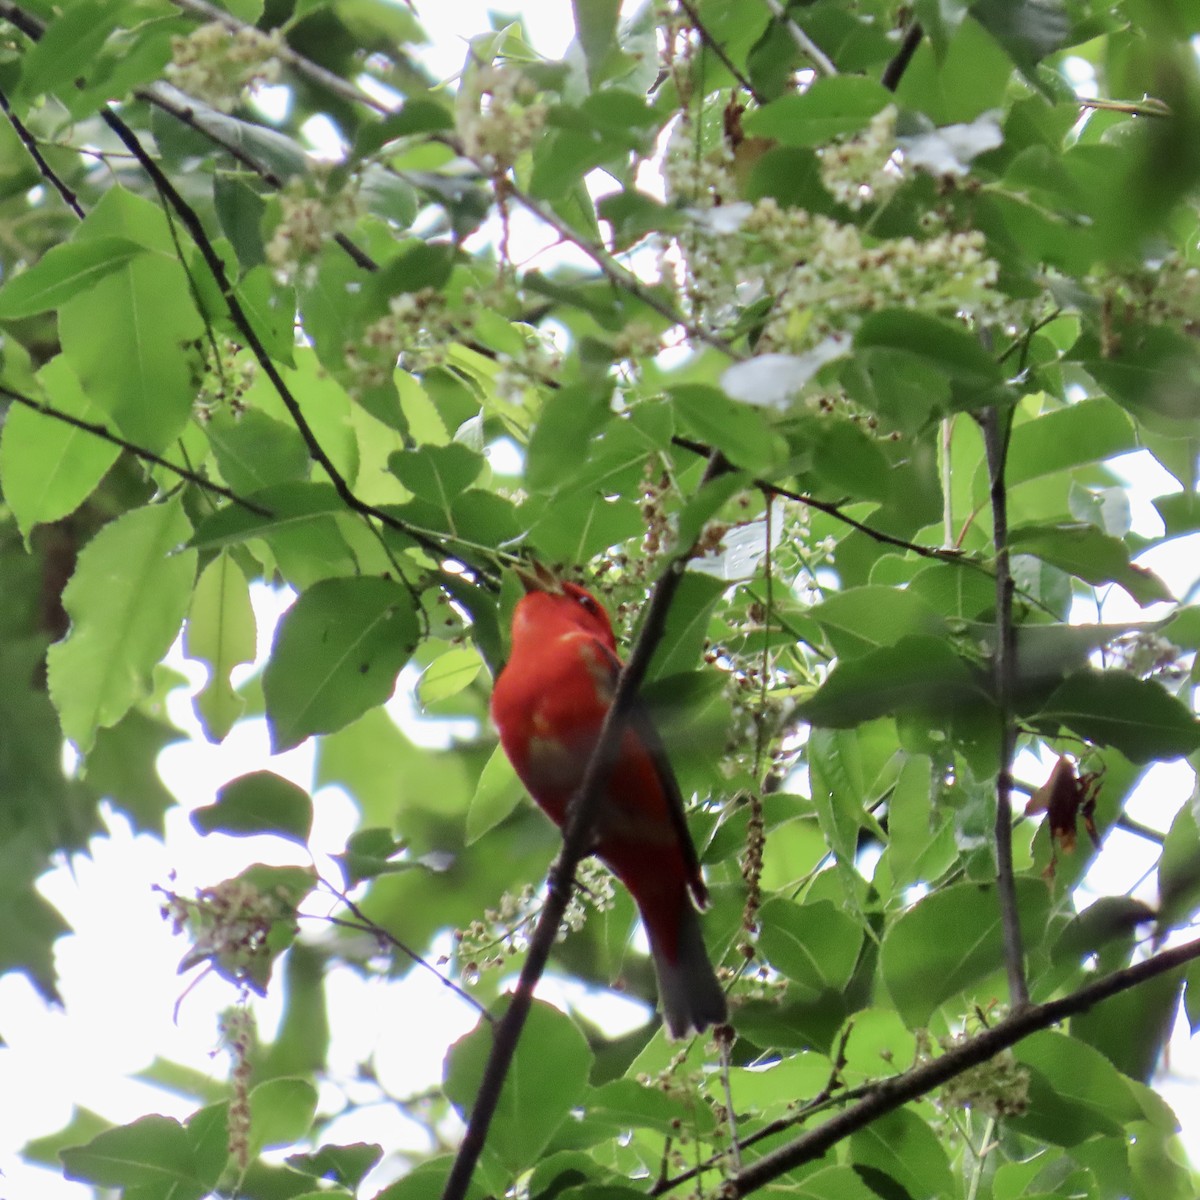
x=642, y=724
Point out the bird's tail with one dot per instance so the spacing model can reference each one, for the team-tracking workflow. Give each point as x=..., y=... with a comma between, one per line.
x=688, y=990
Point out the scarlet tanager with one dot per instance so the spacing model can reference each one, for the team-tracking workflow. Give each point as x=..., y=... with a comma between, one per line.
x=549, y=703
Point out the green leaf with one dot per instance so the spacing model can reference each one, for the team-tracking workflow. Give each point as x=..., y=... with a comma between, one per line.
x=1091, y=555
x=344, y=1165
x=906, y=1150
x=829, y=108
x=943, y=345
x=126, y=600
x=127, y=337
x=815, y=945
x=682, y=641
x=570, y=418
x=291, y=507
x=949, y=941
x=436, y=475
x=153, y=1151
x=281, y=1113
x=371, y=852
x=1136, y=716
x=255, y=451
x=596, y=33
x=534, y=1101
x=47, y=467
x=917, y=674
x=220, y=631
x=959, y=81
x=63, y=272
x=452, y=671
x=861, y=619
x=497, y=794
x=1090, y=431
x=742, y=432
x=261, y=802
x=336, y=653
x=1179, y=870
x=1075, y=1092
x=68, y=49
x=1153, y=371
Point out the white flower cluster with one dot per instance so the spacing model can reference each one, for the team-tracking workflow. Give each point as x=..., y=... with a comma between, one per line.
x=417, y=328
x=860, y=170
x=228, y=376
x=219, y=66
x=823, y=276
x=1166, y=294
x=499, y=116
x=306, y=222
x=539, y=359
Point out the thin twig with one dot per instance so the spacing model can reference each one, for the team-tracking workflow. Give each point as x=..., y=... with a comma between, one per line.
x=894, y=71
x=835, y=511
x=711, y=42
x=891, y=1094
x=140, y=452
x=995, y=440
x=383, y=936
x=577, y=839
x=806, y=45
x=45, y=170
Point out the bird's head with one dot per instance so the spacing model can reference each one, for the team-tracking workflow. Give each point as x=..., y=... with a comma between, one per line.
x=551, y=603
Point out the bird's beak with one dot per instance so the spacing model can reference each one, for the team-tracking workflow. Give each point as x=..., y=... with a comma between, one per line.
x=537, y=577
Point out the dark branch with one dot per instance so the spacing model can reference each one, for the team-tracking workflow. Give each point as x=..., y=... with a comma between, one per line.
x=364, y=923
x=920, y=1081
x=577, y=837
x=191, y=220
x=46, y=171
x=140, y=452
x=894, y=71
x=719, y=50
x=835, y=511
x=995, y=440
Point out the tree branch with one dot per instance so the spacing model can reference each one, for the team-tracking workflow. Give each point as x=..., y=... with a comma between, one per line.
x=711, y=42
x=46, y=171
x=833, y=510
x=577, y=835
x=894, y=71
x=995, y=440
x=920, y=1081
x=191, y=220
x=140, y=452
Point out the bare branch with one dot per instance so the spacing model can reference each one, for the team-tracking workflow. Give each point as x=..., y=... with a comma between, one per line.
x=383, y=937
x=577, y=835
x=890, y=1094
x=46, y=171
x=715, y=46
x=140, y=452
x=995, y=440
x=894, y=71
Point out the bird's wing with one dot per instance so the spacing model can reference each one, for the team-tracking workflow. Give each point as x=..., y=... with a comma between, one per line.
x=642, y=724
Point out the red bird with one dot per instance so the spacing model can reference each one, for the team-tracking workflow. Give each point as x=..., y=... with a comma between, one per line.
x=548, y=704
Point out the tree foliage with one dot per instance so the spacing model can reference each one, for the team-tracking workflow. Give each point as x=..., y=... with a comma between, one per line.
x=839, y=317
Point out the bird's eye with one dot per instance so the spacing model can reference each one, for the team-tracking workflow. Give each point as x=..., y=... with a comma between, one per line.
x=587, y=602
